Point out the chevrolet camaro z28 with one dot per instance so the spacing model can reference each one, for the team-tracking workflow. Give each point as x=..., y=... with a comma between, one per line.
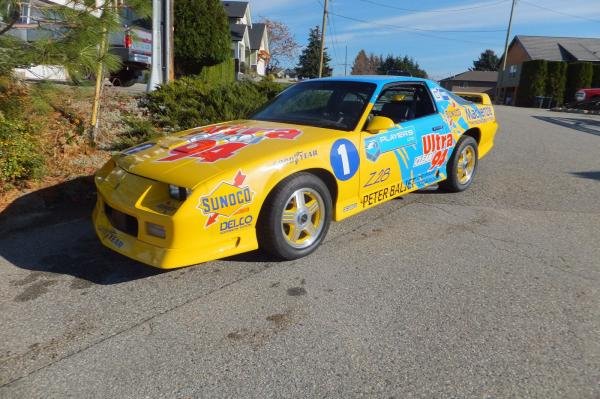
x=322, y=150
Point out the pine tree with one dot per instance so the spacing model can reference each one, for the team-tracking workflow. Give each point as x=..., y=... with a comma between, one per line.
x=308, y=65
x=488, y=61
x=201, y=36
x=361, y=64
x=392, y=65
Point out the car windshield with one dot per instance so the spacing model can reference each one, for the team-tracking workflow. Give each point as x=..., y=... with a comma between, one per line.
x=330, y=104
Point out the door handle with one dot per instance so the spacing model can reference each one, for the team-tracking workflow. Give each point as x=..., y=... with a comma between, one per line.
x=437, y=128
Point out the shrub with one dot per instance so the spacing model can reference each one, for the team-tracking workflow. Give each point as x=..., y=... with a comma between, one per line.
x=201, y=36
x=191, y=102
x=556, y=81
x=579, y=75
x=220, y=73
x=20, y=158
x=532, y=82
x=596, y=76
x=138, y=131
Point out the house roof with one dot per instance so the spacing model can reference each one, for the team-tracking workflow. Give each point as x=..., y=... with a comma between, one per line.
x=475, y=76
x=560, y=48
x=237, y=31
x=235, y=9
x=256, y=32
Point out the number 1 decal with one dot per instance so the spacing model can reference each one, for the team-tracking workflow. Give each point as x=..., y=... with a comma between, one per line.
x=344, y=159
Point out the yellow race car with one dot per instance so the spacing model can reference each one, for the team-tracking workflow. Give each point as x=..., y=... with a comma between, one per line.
x=322, y=150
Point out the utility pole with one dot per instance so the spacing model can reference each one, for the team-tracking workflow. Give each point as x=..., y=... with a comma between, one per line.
x=323, y=38
x=501, y=80
x=156, y=69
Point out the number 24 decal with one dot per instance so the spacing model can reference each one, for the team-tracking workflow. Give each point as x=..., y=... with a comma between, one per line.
x=376, y=177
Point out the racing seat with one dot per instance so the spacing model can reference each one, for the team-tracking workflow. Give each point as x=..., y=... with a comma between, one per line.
x=398, y=110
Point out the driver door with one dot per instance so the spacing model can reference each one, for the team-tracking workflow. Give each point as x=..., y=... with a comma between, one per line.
x=392, y=166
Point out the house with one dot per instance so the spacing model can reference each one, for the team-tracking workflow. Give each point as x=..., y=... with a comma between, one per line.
x=250, y=41
x=526, y=48
x=472, y=81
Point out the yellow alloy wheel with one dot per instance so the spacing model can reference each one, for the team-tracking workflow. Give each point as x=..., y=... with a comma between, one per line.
x=302, y=219
x=466, y=165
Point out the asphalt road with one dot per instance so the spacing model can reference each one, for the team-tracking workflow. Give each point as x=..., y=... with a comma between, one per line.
x=490, y=293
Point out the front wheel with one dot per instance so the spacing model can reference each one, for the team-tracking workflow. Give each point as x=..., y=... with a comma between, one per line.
x=295, y=217
x=462, y=165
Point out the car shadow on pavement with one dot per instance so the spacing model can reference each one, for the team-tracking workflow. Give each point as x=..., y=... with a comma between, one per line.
x=50, y=231
x=592, y=175
x=581, y=124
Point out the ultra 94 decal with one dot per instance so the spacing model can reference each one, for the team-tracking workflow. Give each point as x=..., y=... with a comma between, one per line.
x=344, y=159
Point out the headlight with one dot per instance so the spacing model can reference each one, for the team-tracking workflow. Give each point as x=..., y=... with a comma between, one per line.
x=179, y=193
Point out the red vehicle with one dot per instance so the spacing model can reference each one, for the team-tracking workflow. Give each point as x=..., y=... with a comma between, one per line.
x=587, y=94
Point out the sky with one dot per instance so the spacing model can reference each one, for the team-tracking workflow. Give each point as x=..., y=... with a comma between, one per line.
x=443, y=36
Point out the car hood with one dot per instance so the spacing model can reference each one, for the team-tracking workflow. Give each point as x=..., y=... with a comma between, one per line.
x=192, y=156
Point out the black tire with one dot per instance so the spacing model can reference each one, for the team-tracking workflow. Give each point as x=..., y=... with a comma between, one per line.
x=277, y=235
x=456, y=180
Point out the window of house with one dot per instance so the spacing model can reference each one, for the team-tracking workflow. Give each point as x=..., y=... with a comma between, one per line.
x=512, y=71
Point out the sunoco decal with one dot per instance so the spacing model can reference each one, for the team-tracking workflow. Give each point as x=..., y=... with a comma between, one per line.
x=220, y=142
x=227, y=200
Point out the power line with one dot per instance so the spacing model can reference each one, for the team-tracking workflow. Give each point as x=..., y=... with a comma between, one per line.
x=411, y=30
x=560, y=12
x=441, y=11
x=332, y=37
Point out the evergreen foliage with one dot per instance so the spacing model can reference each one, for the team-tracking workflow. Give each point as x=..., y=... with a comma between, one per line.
x=201, y=35
x=391, y=65
x=308, y=65
x=191, y=101
x=532, y=82
x=596, y=76
x=579, y=76
x=488, y=61
x=70, y=36
x=556, y=80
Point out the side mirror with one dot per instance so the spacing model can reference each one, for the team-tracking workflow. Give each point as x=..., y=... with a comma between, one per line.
x=379, y=123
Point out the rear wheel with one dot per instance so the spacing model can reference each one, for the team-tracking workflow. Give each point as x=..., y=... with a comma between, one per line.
x=296, y=217
x=462, y=165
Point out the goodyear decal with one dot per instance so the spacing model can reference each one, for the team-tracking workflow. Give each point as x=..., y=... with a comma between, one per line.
x=227, y=199
x=214, y=143
x=391, y=140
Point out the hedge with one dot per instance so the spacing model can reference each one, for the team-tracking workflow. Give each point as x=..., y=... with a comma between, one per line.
x=532, y=82
x=596, y=77
x=556, y=80
x=191, y=101
x=220, y=73
x=20, y=157
x=579, y=75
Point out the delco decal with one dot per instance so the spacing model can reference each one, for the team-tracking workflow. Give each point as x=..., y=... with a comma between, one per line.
x=435, y=149
x=391, y=140
x=220, y=142
x=226, y=200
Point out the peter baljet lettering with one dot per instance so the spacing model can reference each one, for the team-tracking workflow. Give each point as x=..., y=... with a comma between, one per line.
x=376, y=197
x=220, y=142
x=435, y=149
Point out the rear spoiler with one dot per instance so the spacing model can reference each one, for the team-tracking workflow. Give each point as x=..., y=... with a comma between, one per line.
x=477, y=98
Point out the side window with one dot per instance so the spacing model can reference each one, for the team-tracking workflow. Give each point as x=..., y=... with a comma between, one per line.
x=404, y=102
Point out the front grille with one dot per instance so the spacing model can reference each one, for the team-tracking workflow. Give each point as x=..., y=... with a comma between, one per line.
x=122, y=221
